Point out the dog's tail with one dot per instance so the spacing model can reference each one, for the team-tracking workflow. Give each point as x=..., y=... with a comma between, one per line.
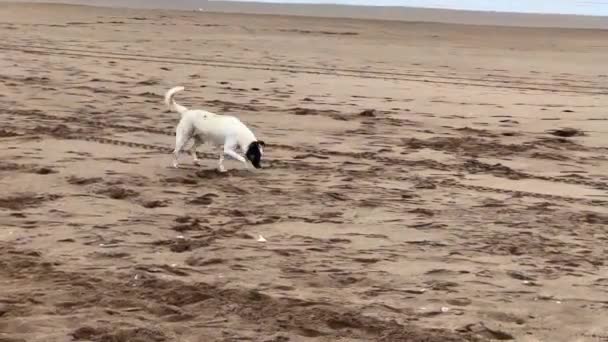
x=170, y=102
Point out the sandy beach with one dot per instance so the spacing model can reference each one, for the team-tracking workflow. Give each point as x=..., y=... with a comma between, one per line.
x=422, y=181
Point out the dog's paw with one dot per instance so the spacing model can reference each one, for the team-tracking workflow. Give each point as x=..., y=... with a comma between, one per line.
x=221, y=169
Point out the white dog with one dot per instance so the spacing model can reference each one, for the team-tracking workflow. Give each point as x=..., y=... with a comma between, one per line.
x=220, y=130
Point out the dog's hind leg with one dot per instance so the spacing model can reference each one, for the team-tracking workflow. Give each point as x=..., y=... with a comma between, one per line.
x=198, y=141
x=181, y=138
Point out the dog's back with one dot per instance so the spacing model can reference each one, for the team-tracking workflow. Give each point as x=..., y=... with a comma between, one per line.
x=217, y=128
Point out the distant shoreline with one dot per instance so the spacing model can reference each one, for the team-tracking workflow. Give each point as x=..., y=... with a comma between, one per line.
x=431, y=8
x=392, y=13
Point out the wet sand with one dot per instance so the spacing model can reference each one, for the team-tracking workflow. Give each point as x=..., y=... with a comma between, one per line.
x=420, y=182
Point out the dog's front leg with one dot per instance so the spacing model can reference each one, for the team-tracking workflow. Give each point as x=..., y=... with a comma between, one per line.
x=220, y=165
x=230, y=152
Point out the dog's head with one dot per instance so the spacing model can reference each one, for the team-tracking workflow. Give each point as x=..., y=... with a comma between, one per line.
x=254, y=154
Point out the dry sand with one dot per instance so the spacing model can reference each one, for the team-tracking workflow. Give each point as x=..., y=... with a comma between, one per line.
x=449, y=213
x=410, y=14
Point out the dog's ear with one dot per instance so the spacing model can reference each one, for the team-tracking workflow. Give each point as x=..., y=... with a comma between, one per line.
x=262, y=143
x=254, y=154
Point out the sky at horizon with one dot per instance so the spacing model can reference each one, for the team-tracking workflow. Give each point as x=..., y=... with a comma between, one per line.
x=580, y=7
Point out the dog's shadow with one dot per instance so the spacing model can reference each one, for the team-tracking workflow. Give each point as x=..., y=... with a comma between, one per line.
x=216, y=174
